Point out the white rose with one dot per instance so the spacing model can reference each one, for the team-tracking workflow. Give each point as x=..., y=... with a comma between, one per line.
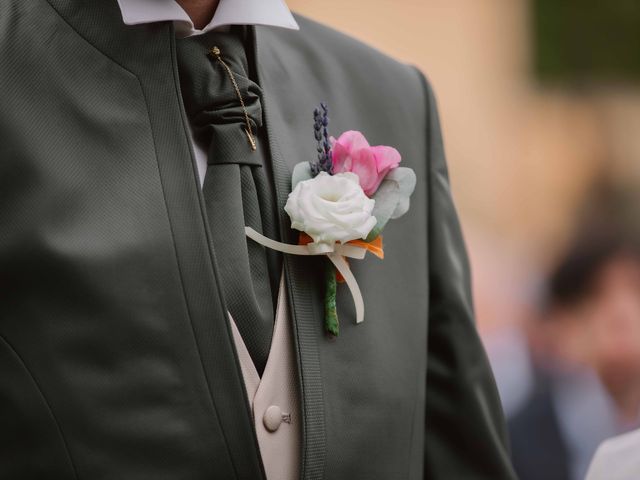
x=331, y=208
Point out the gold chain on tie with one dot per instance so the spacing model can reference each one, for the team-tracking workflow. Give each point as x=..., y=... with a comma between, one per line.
x=215, y=52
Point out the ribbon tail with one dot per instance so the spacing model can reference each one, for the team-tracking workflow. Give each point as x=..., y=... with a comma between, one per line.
x=343, y=267
x=274, y=245
x=337, y=257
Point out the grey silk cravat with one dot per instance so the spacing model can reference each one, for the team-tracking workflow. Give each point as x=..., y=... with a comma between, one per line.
x=236, y=188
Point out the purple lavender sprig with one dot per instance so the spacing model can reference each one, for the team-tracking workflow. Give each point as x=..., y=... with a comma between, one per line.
x=324, y=162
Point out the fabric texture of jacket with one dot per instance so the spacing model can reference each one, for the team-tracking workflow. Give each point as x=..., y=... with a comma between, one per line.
x=116, y=355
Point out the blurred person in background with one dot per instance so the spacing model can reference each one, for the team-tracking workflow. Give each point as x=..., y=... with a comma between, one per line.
x=586, y=352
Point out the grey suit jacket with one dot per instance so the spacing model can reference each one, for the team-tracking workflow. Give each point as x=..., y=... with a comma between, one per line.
x=116, y=356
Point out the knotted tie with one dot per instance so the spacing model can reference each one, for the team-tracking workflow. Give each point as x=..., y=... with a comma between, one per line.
x=223, y=105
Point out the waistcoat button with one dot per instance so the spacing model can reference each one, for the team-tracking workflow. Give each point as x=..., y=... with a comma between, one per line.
x=272, y=418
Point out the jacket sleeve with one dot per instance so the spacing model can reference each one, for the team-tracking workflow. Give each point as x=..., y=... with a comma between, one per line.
x=465, y=433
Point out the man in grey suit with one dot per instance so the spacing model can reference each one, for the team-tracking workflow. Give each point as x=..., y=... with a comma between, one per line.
x=135, y=318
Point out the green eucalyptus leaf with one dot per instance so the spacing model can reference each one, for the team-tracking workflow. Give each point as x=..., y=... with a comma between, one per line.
x=301, y=172
x=392, y=198
x=405, y=178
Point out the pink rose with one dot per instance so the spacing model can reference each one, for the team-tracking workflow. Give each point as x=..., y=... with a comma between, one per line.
x=352, y=153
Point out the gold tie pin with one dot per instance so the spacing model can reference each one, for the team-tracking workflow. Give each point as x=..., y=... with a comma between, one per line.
x=215, y=52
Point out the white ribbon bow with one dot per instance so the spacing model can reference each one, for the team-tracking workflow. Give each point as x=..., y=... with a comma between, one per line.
x=336, y=253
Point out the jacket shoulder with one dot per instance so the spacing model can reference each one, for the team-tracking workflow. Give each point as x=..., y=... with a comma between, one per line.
x=344, y=47
x=335, y=52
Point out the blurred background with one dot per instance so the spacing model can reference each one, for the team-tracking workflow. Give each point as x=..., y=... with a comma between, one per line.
x=540, y=108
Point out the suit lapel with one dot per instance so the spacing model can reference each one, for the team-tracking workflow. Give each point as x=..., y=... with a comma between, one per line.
x=148, y=53
x=288, y=106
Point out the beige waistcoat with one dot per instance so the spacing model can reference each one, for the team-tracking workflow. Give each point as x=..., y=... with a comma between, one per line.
x=274, y=398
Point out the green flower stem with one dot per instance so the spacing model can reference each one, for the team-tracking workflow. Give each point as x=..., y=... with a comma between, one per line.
x=330, y=310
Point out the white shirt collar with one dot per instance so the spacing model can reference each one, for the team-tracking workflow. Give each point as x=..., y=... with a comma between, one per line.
x=229, y=12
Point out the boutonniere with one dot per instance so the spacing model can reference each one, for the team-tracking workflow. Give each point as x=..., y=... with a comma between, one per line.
x=341, y=202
